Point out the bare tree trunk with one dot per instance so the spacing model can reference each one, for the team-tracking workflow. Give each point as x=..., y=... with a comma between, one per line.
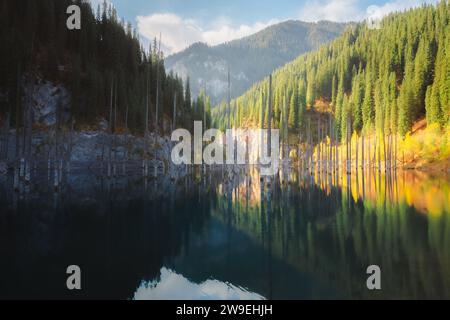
x=379, y=155
x=70, y=147
x=263, y=110
x=115, y=130
x=318, y=146
x=362, y=151
x=350, y=132
x=347, y=146
x=395, y=150
x=330, y=160
x=157, y=86
x=110, y=128
x=286, y=126
x=27, y=141
x=147, y=101
x=269, y=119
x=18, y=112
x=174, y=121
x=375, y=150
x=6, y=136
x=336, y=151
x=385, y=151
x=357, y=153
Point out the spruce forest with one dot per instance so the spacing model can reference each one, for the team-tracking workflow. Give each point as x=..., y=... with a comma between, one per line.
x=108, y=71
x=373, y=81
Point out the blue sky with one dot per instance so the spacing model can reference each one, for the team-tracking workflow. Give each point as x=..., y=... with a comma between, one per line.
x=183, y=22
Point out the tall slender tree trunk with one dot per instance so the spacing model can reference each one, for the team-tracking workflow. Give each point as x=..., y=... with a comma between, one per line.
x=330, y=160
x=18, y=112
x=286, y=126
x=357, y=153
x=157, y=87
x=347, y=148
x=395, y=150
x=375, y=150
x=263, y=110
x=110, y=127
x=384, y=151
x=6, y=136
x=362, y=151
x=174, y=120
x=269, y=119
x=379, y=154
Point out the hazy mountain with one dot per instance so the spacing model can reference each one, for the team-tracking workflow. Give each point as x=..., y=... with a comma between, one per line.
x=250, y=58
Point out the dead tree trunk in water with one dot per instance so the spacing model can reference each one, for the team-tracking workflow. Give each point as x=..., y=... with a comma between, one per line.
x=379, y=155
x=269, y=119
x=330, y=159
x=384, y=151
x=347, y=147
x=263, y=110
x=115, y=130
x=110, y=128
x=286, y=127
x=174, y=120
x=395, y=150
x=350, y=134
x=18, y=107
x=318, y=146
x=309, y=146
x=362, y=151
x=375, y=150
x=157, y=87
x=357, y=153
x=6, y=136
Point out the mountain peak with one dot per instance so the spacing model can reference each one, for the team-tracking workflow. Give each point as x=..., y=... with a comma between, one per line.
x=251, y=58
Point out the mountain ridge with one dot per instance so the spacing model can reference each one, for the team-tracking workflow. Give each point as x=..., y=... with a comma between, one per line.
x=250, y=58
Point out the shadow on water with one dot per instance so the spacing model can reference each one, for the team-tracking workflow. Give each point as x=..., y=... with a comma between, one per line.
x=299, y=237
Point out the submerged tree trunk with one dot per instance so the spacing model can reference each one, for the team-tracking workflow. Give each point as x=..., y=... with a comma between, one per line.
x=357, y=153
x=362, y=151
x=269, y=119
x=263, y=107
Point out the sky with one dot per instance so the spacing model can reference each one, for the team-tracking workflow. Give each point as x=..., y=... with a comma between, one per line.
x=184, y=22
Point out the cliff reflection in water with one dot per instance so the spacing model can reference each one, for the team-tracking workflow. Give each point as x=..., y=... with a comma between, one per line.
x=301, y=237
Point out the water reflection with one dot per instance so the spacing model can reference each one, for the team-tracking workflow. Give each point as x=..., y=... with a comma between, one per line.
x=331, y=228
x=299, y=237
x=171, y=285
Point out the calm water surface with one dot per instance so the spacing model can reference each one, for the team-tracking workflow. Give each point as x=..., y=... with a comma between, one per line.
x=201, y=238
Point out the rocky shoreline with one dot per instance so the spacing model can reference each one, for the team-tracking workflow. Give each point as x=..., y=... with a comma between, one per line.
x=85, y=148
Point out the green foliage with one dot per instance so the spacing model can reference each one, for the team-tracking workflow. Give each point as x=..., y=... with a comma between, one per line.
x=104, y=54
x=251, y=58
x=381, y=80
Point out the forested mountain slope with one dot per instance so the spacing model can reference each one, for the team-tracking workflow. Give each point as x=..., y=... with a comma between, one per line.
x=250, y=59
x=372, y=79
x=103, y=65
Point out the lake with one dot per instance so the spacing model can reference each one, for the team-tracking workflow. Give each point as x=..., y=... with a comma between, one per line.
x=299, y=237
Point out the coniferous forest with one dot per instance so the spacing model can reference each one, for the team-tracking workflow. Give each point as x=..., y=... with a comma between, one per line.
x=104, y=65
x=101, y=198
x=379, y=80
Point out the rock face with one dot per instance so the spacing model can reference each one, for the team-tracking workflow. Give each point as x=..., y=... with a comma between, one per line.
x=249, y=59
x=86, y=147
x=46, y=99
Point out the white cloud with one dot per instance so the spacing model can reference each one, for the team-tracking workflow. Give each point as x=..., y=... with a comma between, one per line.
x=333, y=10
x=350, y=10
x=378, y=12
x=178, y=33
